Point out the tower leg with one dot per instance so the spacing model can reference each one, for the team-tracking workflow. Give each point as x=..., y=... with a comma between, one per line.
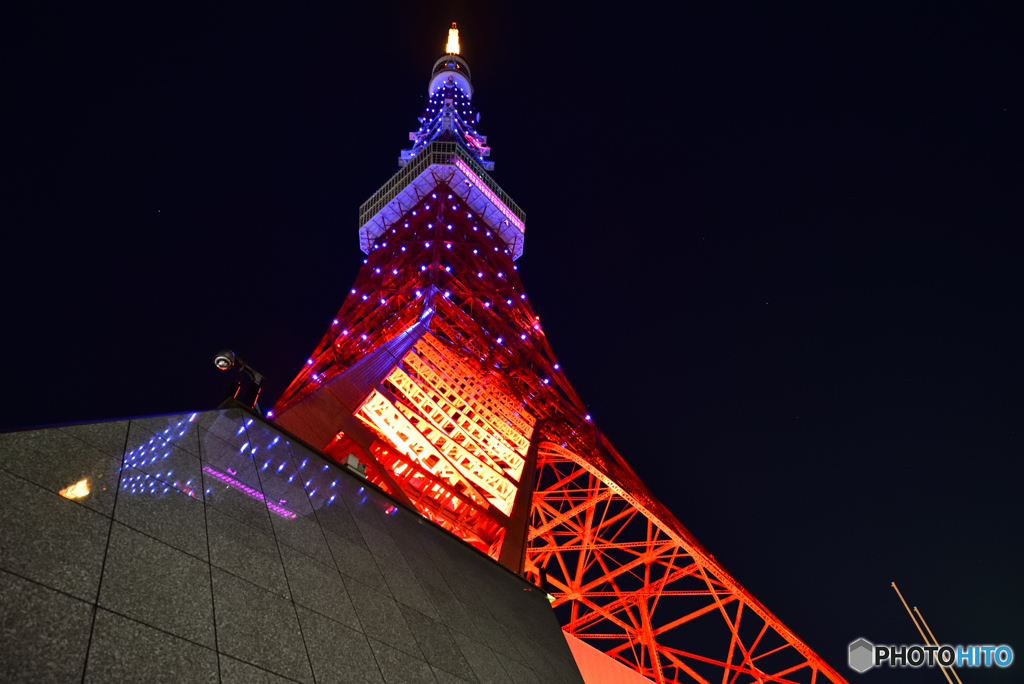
x=513, y=548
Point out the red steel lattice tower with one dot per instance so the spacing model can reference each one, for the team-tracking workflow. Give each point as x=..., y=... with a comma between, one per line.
x=436, y=377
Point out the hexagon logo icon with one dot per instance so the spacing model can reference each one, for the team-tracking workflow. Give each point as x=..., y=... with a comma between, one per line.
x=862, y=655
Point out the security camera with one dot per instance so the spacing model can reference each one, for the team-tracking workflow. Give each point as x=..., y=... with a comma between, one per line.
x=244, y=394
x=225, y=360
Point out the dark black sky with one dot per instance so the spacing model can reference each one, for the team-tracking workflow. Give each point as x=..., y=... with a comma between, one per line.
x=776, y=249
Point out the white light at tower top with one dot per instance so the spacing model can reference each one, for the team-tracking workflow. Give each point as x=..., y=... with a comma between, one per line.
x=453, y=40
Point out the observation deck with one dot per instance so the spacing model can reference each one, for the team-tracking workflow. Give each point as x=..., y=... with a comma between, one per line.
x=448, y=162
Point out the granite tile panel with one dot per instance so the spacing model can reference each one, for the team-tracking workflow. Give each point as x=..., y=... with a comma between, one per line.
x=234, y=671
x=345, y=483
x=245, y=552
x=407, y=589
x=303, y=533
x=49, y=539
x=520, y=673
x=499, y=634
x=108, y=437
x=280, y=479
x=355, y=561
x=174, y=517
x=350, y=482
x=336, y=519
x=224, y=449
x=44, y=634
x=381, y=544
x=169, y=465
x=408, y=534
x=281, y=522
x=399, y=668
x=268, y=439
x=300, y=452
x=450, y=610
x=488, y=631
x=443, y=677
x=151, y=582
x=367, y=510
x=533, y=654
x=483, y=660
x=259, y=627
x=508, y=598
x=178, y=429
x=155, y=478
x=338, y=654
x=466, y=592
x=437, y=644
x=399, y=576
x=274, y=463
x=406, y=527
x=54, y=460
x=544, y=671
x=423, y=566
x=381, y=618
x=467, y=597
x=443, y=554
x=124, y=650
x=319, y=588
x=234, y=489
x=563, y=670
x=223, y=423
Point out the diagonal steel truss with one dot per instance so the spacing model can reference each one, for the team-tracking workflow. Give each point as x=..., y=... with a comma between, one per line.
x=645, y=594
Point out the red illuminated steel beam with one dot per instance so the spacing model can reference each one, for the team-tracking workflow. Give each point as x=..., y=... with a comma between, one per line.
x=640, y=588
x=437, y=374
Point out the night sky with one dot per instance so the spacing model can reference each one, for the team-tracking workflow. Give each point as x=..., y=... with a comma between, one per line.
x=777, y=251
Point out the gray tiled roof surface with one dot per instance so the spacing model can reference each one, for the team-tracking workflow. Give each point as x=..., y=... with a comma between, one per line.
x=212, y=547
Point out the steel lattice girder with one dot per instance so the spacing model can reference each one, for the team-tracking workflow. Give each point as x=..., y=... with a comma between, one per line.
x=464, y=391
x=630, y=582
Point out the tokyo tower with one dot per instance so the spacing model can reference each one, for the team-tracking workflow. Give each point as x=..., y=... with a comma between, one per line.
x=436, y=380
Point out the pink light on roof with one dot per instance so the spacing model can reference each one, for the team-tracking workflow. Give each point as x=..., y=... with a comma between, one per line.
x=482, y=187
x=249, y=491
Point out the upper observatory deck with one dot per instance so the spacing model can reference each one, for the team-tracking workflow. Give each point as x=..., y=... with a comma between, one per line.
x=447, y=148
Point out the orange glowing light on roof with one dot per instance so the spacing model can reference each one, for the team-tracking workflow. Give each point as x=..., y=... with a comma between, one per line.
x=453, y=40
x=76, y=491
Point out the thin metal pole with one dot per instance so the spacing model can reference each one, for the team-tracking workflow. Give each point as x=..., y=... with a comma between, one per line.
x=919, y=630
x=936, y=642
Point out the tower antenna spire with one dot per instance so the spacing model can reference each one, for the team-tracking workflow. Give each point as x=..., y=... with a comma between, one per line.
x=453, y=40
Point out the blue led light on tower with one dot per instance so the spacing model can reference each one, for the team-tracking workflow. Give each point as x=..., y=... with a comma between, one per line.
x=449, y=115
